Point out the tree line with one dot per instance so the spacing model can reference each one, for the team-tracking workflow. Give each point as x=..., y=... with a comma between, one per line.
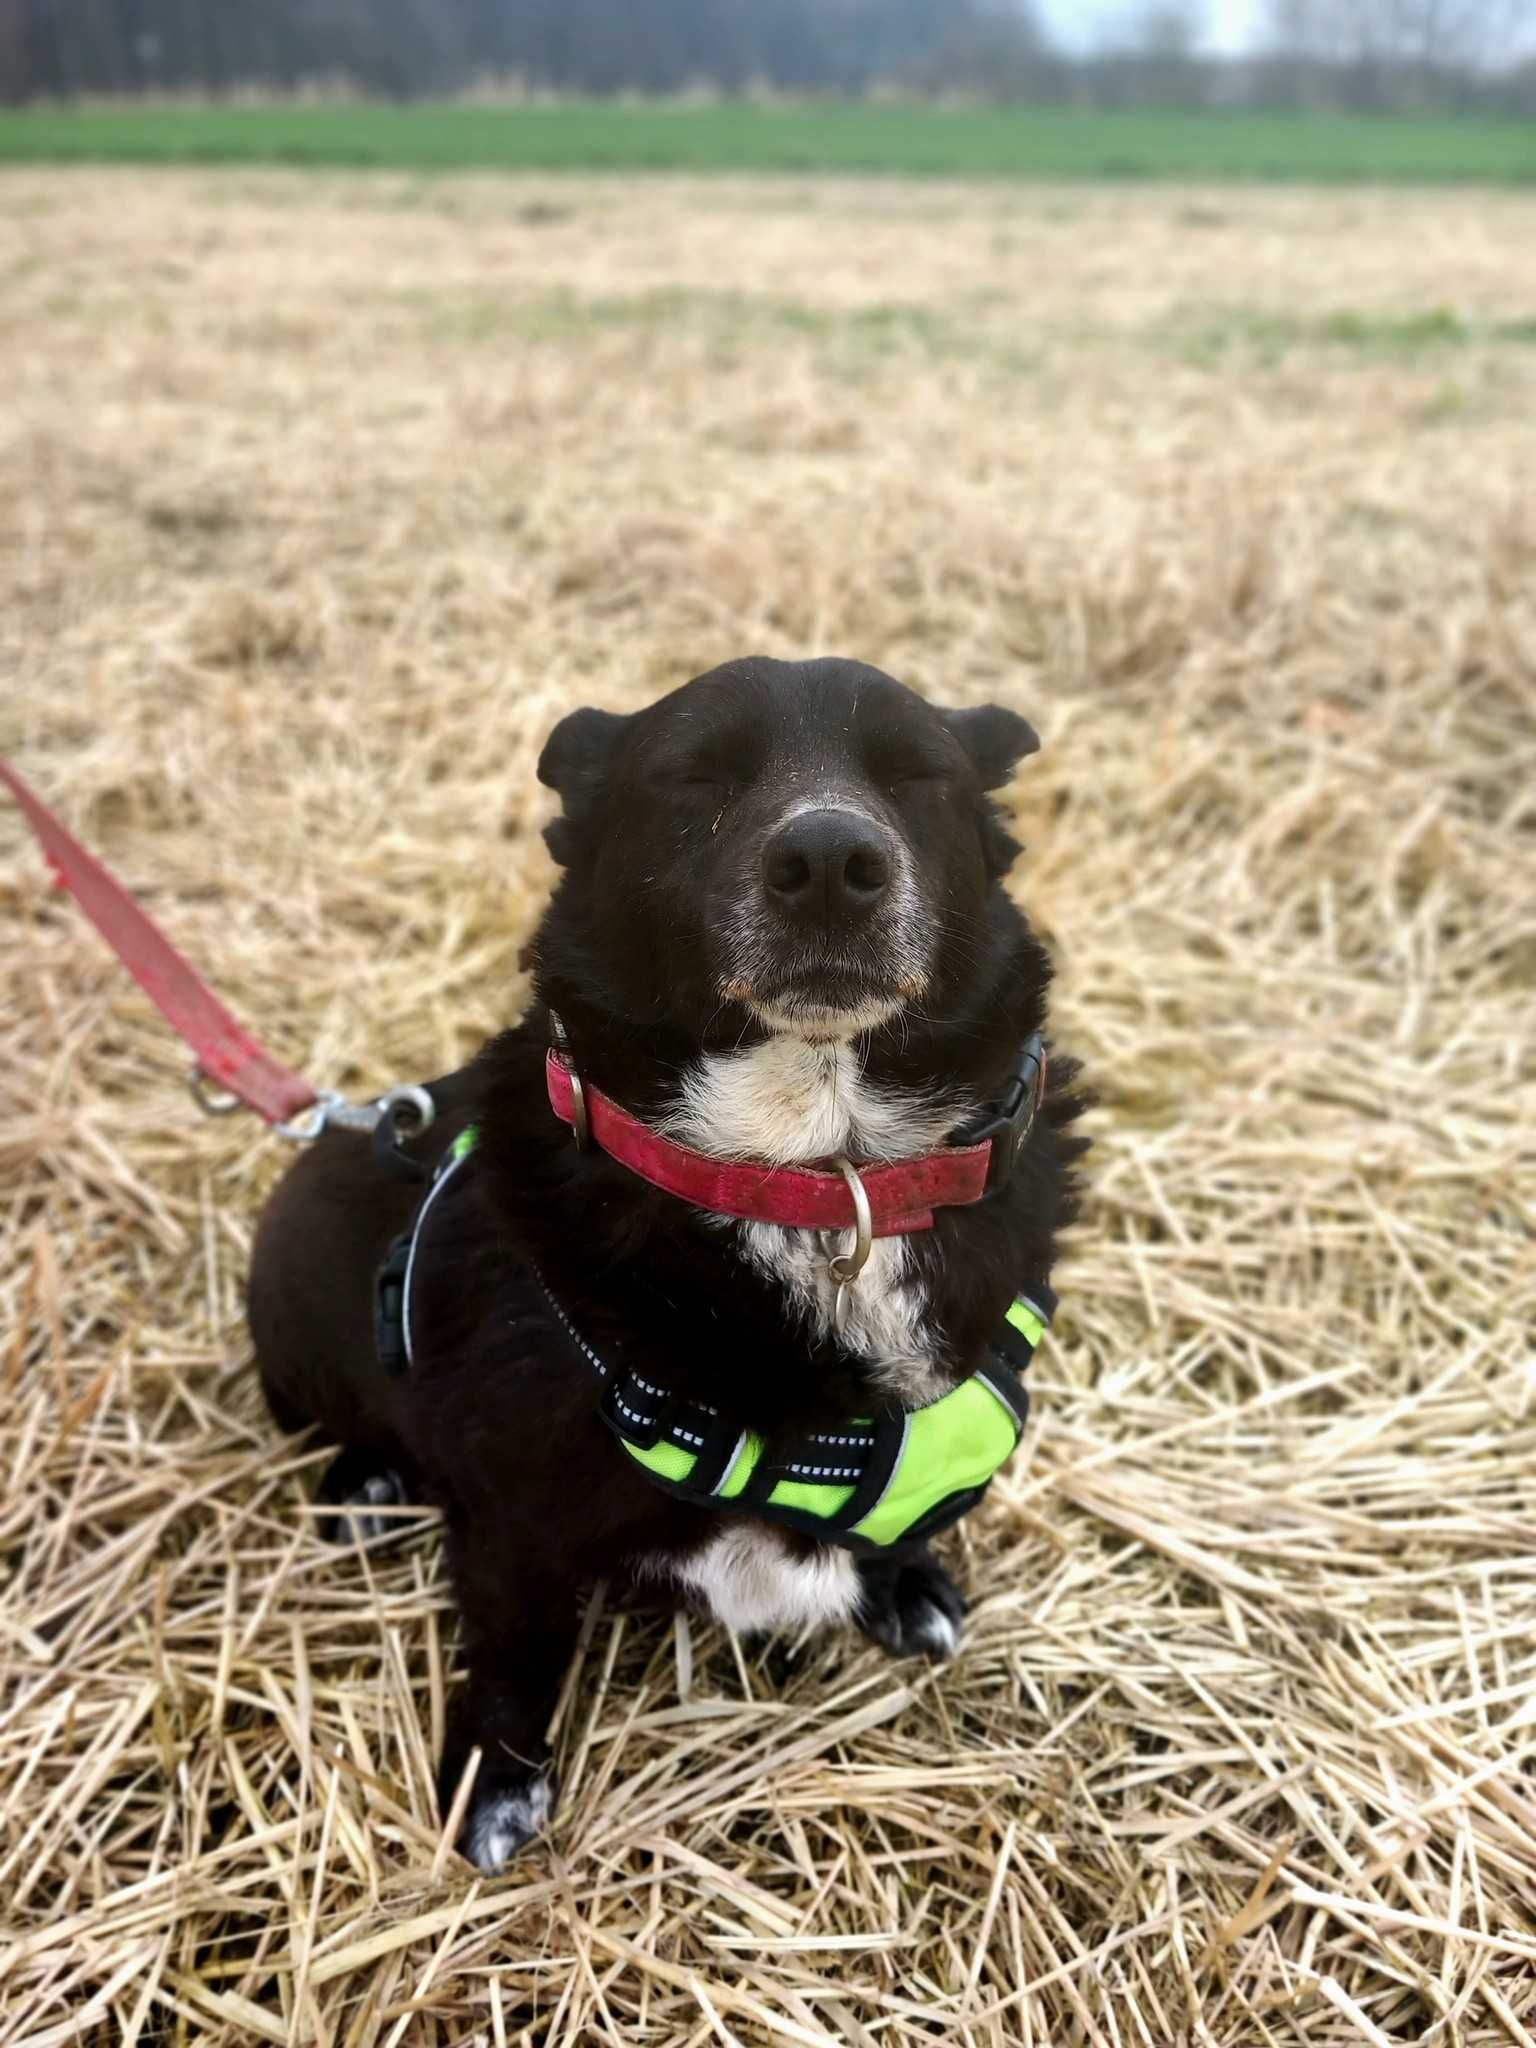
x=1348, y=53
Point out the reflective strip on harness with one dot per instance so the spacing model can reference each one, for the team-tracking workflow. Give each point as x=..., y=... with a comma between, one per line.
x=453, y=1159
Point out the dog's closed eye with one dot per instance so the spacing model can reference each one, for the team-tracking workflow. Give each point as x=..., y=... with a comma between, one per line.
x=691, y=777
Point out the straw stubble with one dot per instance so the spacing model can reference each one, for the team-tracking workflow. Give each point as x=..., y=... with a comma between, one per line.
x=324, y=498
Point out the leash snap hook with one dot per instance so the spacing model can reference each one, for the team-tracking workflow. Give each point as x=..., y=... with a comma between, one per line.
x=843, y=1268
x=312, y=1119
x=406, y=1110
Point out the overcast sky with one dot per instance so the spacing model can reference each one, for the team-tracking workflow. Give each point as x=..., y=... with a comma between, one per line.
x=1229, y=24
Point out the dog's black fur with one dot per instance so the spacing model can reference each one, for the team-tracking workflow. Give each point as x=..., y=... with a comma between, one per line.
x=664, y=942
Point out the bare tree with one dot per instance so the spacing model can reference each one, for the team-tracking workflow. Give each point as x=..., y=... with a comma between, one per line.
x=1360, y=52
x=1168, y=31
x=1436, y=34
x=1150, y=55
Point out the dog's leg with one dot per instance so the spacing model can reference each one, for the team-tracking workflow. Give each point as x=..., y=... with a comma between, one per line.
x=909, y=1604
x=515, y=1668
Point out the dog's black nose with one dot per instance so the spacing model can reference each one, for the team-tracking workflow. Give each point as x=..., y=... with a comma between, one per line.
x=827, y=865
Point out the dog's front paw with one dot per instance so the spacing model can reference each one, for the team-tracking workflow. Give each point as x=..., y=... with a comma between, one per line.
x=506, y=1810
x=911, y=1610
x=355, y=1484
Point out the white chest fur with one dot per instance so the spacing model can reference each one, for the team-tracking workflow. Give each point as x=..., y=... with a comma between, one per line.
x=787, y=1101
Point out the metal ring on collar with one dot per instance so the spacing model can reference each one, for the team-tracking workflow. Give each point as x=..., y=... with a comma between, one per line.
x=581, y=1130
x=847, y=1266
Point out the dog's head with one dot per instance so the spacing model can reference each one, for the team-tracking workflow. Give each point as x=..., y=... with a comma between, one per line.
x=810, y=841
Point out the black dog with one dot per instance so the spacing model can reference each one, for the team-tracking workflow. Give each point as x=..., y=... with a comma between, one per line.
x=780, y=937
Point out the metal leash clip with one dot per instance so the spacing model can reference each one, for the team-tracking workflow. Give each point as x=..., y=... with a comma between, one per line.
x=843, y=1268
x=408, y=1109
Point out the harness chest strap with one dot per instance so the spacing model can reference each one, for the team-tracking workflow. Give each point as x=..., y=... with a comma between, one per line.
x=866, y=1484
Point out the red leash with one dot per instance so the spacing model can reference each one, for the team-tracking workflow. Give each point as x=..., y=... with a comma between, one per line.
x=226, y=1052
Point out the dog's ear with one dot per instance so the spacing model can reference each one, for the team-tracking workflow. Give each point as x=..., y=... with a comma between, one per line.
x=575, y=762
x=575, y=755
x=996, y=740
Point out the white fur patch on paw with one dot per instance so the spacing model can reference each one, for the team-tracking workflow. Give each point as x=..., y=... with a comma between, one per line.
x=907, y=1619
x=933, y=1631
x=502, y=1822
x=353, y=1522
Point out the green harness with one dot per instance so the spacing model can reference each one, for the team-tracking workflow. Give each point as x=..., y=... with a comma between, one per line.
x=889, y=1478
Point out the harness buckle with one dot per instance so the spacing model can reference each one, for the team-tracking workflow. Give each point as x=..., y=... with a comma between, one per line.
x=581, y=1128
x=1010, y=1124
x=389, y=1306
x=636, y=1410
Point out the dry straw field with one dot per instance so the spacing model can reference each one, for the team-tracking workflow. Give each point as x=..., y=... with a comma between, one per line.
x=322, y=497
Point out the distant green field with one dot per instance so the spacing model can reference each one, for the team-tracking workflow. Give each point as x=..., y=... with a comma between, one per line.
x=923, y=141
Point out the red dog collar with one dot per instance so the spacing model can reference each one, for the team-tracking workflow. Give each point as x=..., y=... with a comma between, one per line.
x=902, y=1196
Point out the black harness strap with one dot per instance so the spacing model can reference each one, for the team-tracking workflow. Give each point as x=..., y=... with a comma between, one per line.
x=389, y=1306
